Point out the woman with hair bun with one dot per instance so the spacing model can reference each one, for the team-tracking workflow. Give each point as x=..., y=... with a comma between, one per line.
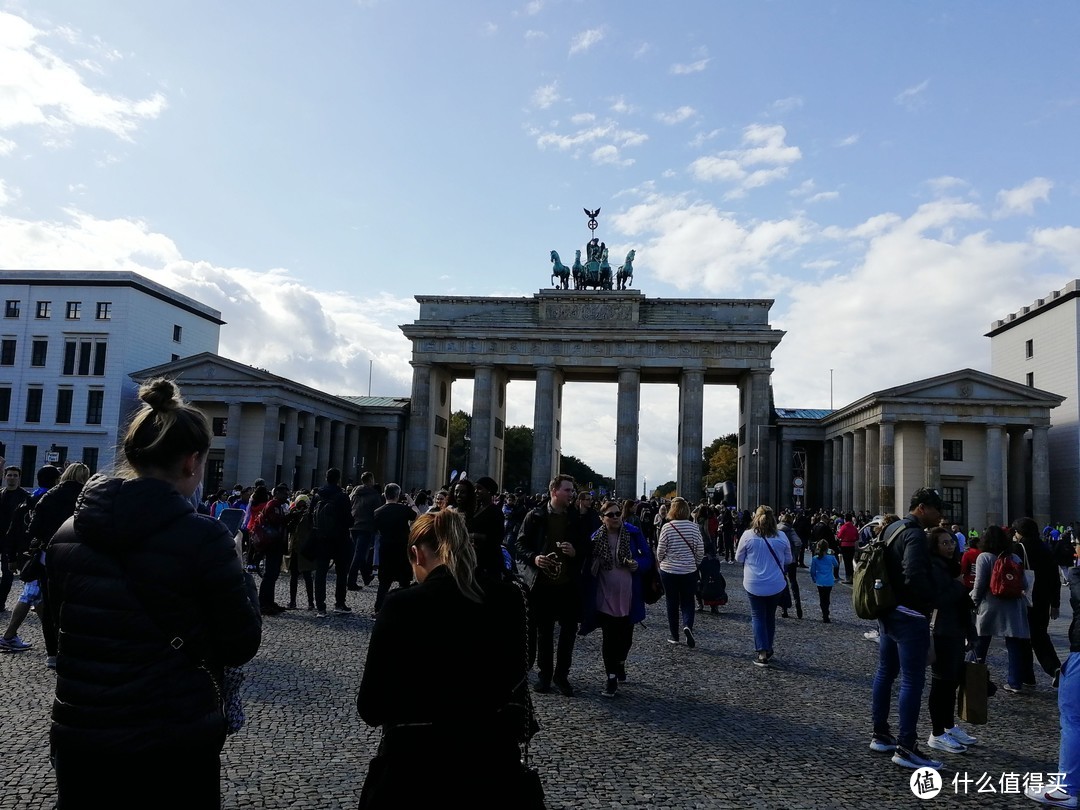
x=152, y=603
x=443, y=660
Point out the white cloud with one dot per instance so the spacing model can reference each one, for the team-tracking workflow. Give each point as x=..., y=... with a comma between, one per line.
x=763, y=146
x=821, y=196
x=5, y=196
x=7, y=146
x=803, y=189
x=701, y=138
x=676, y=116
x=695, y=246
x=668, y=173
x=582, y=118
x=489, y=29
x=642, y=49
x=622, y=107
x=546, y=95
x=532, y=35
x=945, y=184
x=586, y=39
x=610, y=155
x=820, y=264
x=683, y=69
x=1022, y=199
x=912, y=97
x=320, y=338
x=604, y=132
x=850, y=140
x=534, y=7
x=44, y=90
x=787, y=104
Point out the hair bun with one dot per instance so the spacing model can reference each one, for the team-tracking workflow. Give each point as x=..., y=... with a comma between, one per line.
x=160, y=394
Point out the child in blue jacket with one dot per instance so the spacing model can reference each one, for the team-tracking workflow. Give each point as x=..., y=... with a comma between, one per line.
x=823, y=570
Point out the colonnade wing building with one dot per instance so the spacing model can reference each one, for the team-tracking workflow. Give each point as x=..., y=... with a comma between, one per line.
x=980, y=440
x=271, y=427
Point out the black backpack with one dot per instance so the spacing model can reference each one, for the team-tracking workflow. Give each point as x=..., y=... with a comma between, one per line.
x=326, y=522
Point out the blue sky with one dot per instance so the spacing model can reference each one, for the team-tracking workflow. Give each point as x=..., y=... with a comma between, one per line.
x=308, y=168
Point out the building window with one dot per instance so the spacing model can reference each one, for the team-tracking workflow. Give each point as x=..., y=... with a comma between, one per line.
x=33, y=404
x=220, y=426
x=281, y=434
x=1031, y=379
x=11, y=309
x=90, y=458
x=104, y=310
x=74, y=310
x=954, y=511
x=952, y=450
x=7, y=352
x=44, y=309
x=84, y=357
x=1029, y=348
x=177, y=332
x=175, y=357
x=5, y=404
x=64, y=399
x=39, y=352
x=95, y=403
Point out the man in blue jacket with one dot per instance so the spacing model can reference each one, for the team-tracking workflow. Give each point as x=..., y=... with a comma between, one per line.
x=905, y=631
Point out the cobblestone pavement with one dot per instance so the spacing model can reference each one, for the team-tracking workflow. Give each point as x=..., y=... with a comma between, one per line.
x=699, y=728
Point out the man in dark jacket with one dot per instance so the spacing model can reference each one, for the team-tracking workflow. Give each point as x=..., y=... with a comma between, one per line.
x=365, y=499
x=549, y=552
x=393, y=521
x=11, y=498
x=905, y=631
x=331, y=521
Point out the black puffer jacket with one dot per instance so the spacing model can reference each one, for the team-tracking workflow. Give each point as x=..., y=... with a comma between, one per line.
x=55, y=506
x=132, y=568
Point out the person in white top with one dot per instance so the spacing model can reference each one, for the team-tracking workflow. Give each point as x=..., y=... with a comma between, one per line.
x=679, y=552
x=765, y=554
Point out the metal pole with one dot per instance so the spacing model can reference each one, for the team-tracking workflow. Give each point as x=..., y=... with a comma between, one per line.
x=371, y=365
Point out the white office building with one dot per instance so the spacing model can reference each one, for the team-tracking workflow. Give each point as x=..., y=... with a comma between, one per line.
x=68, y=341
x=1039, y=346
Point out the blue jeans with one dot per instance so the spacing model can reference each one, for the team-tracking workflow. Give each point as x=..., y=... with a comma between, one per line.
x=1069, y=709
x=1015, y=649
x=763, y=620
x=361, y=562
x=681, y=593
x=902, y=650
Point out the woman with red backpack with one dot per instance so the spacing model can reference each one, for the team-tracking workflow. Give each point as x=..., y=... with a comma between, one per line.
x=997, y=611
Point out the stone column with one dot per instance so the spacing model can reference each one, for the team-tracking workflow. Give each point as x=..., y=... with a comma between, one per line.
x=886, y=468
x=352, y=451
x=271, y=430
x=858, y=470
x=231, y=469
x=838, y=472
x=290, y=449
x=307, y=452
x=758, y=438
x=827, y=499
x=482, y=426
x=873, y=469
x=544, y=467
x=626, y=432
x=691, y=412
x=420, y=429
x=933, y=455
x=393, y=454
x=322, y=463
x=995, y=476
x=1018, y=501
x=1040, y=475
x=337, y=452
x=496, y=460
x=847, y=461
x=785, y=496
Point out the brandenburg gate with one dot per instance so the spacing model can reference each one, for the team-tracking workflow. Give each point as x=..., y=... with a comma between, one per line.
x=559, y=336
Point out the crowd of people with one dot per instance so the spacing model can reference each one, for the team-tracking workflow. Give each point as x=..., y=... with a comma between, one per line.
x=138, y=579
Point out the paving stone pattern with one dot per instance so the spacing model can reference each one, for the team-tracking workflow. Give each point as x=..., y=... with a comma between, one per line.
x=700, y=728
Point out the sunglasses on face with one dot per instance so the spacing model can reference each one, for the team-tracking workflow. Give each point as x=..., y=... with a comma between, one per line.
x=611, y=514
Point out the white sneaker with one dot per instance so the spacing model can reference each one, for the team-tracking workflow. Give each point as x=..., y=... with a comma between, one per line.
x=945, y=743
x=961, y=736
x=871, y=635
x=1057, y=796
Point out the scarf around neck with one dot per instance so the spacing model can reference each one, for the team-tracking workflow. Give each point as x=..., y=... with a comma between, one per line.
x=601, y=547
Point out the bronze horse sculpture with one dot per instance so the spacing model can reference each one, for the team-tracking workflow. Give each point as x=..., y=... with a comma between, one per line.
x=560, y=273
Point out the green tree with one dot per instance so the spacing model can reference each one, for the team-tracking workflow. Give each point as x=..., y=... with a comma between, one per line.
x=720, y=460
x=584, y=474
x=665, y=490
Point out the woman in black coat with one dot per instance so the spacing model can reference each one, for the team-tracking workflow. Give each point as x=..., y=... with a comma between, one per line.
x=1046, y=598
x=152, y=603
x=445, y=656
